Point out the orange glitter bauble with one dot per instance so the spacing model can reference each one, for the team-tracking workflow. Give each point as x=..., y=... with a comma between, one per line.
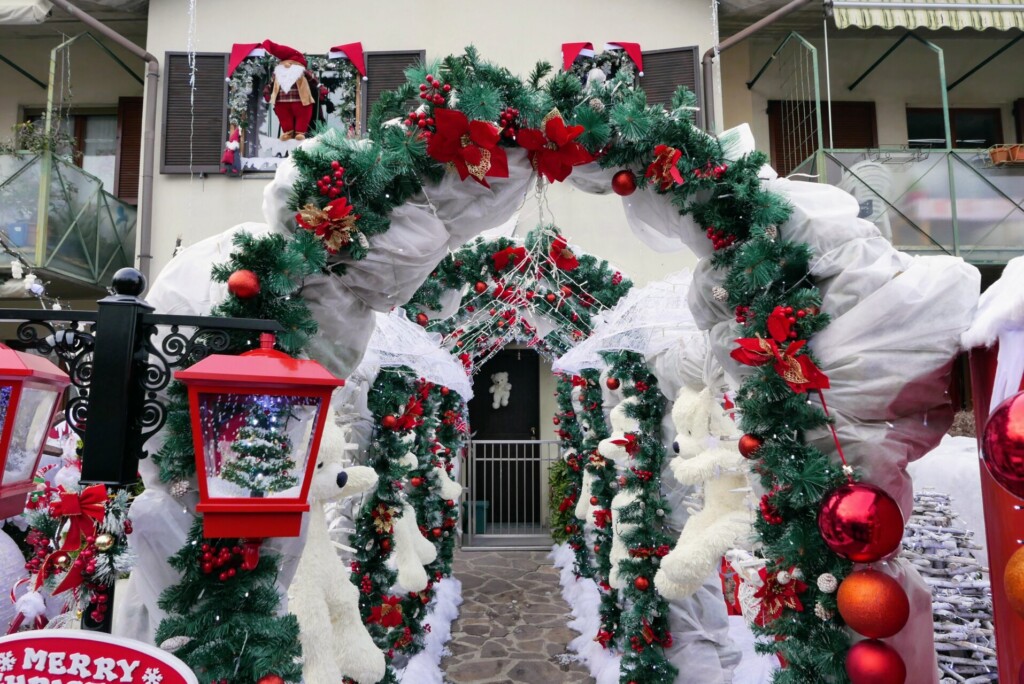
x=873, y=604
x=1013, y=581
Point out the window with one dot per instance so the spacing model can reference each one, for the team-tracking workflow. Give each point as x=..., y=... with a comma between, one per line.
x=1018, y=119
x=970, y=128
x=195, y=123
x=385, y=71
x=129, y=146
x=793, y=130
x=666, y=70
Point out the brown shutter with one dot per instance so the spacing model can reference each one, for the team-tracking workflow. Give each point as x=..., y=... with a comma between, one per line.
x=129, y=148
x=793, y=130
x=385, y=71
x=195, y=124
x=666, y=70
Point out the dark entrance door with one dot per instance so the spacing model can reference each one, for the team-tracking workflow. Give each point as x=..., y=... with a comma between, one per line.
x=505, y=471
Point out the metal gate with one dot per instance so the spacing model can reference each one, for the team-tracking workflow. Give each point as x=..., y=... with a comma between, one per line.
x=506, y=485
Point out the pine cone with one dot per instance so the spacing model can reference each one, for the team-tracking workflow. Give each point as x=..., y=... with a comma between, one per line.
x=596, y=104
x=179, y=489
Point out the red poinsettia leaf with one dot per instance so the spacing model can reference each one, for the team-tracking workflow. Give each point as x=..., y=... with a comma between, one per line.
x=751, y=351
x=779, y=326
x=816, y=379
x=471, y=155
x=483, y=134
x=556, y=131
x=338, y=209
x=499, y=163
x=530, y=139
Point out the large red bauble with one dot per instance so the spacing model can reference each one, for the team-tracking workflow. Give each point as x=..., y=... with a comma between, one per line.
x=389, y=421
x=270, y=679
x=873, y=604
x=612, y=383
x=642, y=583
x=1002, y=445
x=244, y=284
x=624, y=183
x=874, y=662
x=749, y=444
x=480, y=287
x=860, y=522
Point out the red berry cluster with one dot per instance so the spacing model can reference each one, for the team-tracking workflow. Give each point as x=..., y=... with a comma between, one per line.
x=636, y=644
x=86, y=560
x=365, y=585
x=711, y=170
x=719, y=238
x=509, y=121
x=40, y=544
x=433, y=90
x=421, y=121
x=100, y=600
x=792, y=315
x=227, y=557
x=742, y=312
x=768, y=510
x=331, y=184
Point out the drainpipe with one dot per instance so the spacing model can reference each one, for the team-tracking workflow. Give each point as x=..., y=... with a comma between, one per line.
x=707, y=62
x=148, y=126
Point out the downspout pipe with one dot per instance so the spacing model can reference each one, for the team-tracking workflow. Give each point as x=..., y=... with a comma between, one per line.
x=148, y=126
x=707, y=62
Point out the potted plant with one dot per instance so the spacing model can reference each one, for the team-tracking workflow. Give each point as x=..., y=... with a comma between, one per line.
x=999, y=154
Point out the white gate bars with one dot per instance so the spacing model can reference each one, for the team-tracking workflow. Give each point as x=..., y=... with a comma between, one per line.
x=506, y=494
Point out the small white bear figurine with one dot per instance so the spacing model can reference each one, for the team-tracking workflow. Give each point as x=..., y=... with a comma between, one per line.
x=615, y=448
x=501, y=388
x=708, y=456
x=335, y=642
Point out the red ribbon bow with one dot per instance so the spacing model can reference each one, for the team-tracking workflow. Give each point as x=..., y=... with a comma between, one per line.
x=798, y=370
x=83, y=510
x=664, y=170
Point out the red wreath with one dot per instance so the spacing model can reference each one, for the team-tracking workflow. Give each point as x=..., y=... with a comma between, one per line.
x=554, y=151
x=471, y=147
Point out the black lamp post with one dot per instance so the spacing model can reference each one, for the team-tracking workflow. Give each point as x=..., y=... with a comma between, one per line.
x=120, y=358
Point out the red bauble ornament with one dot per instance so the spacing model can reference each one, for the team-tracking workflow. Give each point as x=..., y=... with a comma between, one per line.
x=593, y=501
x=612, y=383
x=1013, y=581
x=422, y=319
x=1002, y=445
x=874, y=662
x=624, y=183
x=385, y=545
x=389, y=421
x=416, y=481
x=480, y=287
x=873, y=604
x=270, y=679
x=550, y=297
x=436, y=532
x=556, y=420
x=444, y=391
x=566, y=291
x=749, y=444
x=860, y=522
x=642, y=583
x=244, y=284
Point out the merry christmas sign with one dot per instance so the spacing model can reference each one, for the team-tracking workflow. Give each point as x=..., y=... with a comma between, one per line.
x=76, y=657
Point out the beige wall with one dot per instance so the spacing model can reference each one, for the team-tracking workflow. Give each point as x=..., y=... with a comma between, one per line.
x=516, y=36
x=908, y=78
x=96, y=81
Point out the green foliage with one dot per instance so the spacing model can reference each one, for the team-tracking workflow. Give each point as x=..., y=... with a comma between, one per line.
x=567, y=477
x=231, y=631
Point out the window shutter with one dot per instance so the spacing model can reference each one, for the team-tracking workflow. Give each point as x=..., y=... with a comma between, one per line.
x=129, y=149
x=195, y=124
x=666, y=70
x=793, y=130
x=385, y=71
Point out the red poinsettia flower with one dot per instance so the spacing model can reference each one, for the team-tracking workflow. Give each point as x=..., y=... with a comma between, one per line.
x=561, y=256
x=388, y=614
x=515, y=256
x=471, y=147
x=798, y=370
x=664, y=170
x=334, y=224
x=411, y=416
x=553, y=151
x=602, y=517
x=629, y=443
x=776, y=596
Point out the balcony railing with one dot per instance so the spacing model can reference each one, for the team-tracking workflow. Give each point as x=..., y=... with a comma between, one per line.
x=68, y=226
x=933, y=201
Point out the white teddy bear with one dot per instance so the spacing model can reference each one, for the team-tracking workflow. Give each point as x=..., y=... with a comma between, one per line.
x=708, y=456
x=615, y=448
x=501, y=388
x=335, y=642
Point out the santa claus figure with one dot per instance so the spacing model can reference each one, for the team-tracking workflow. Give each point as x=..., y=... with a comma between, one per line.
x=291, y=91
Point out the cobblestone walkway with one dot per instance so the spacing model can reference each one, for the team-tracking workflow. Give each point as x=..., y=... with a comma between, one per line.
x=512, y=624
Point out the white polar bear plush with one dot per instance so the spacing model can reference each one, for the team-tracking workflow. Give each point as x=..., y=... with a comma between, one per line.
x=615, y=448
x=335, y=642
x=411, y=553
x=708, y=456
x=501, y=388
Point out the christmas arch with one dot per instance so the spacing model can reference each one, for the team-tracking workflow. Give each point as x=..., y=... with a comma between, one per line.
x=358, y=225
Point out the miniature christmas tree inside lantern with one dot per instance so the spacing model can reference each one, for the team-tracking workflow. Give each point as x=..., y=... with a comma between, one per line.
x=30, y=391
x=257, y=419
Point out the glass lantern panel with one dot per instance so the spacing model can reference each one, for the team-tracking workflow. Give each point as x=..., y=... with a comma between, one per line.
x=31, y=424
x=256, y=446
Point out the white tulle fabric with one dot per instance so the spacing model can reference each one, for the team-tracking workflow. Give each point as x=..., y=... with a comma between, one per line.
x=896, y=326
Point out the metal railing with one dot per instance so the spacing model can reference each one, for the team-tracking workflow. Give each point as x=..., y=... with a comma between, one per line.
x=506, y=485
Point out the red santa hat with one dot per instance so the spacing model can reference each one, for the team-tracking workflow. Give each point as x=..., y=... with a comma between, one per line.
x=570, y=51
x=284, y=53
x=240, y=51
x=632, y=49
x=353, y=52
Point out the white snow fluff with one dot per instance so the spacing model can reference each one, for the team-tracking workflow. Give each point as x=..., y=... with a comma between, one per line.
x=425, y=666
x=1000, y=308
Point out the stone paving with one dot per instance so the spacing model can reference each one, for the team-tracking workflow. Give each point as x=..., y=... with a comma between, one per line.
x=512, y=625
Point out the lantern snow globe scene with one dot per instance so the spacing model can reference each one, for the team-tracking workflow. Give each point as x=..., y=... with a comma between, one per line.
x=30, y=392
x=257, y=419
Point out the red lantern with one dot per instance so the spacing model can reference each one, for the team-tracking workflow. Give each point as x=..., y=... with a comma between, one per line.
x=257, y=419
x=30, y=391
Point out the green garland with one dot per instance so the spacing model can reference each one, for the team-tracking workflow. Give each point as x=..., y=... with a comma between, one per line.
x=566, y=478
x=645, y=625
x=451, y=438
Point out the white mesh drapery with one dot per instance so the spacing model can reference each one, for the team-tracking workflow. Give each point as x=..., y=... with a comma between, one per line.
x=648, y=320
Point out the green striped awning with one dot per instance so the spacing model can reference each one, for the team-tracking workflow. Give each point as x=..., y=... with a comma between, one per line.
x=931, y=14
